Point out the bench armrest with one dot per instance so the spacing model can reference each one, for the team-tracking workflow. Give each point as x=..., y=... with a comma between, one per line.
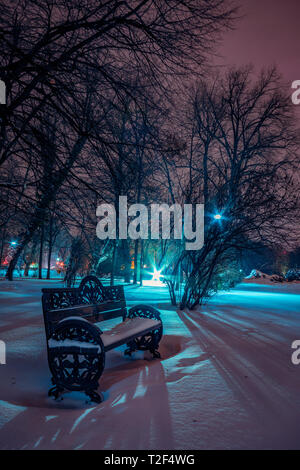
x=143, y=311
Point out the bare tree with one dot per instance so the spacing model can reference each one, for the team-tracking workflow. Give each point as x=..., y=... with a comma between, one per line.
x=44, y=41
x=243, y=151
x=52, y=51
x=57, y=145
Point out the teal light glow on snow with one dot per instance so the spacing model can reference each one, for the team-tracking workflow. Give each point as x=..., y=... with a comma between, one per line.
x=81, y=418
x=257, y=300
x=9, y=411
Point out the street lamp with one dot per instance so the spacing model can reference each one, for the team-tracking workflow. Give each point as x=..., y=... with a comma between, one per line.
x=217, y=216
x=156, y=275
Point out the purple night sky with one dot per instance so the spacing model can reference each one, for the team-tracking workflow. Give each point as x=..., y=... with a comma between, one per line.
x=268, y=33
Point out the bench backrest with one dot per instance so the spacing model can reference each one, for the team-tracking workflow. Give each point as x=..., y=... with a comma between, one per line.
x=97, y=302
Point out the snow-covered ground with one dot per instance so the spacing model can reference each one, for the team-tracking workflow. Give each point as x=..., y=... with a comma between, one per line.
x=225, y=379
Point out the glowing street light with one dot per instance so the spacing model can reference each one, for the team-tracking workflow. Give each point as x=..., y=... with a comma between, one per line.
x=13, y=243
x=217, y=216
x=156, y=275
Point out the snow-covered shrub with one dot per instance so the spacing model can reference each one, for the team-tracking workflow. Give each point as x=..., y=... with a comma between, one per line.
x=255, y=274
x=292, y=275
x=277, y=278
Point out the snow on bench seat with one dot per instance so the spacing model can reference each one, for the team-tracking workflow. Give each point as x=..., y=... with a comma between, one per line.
x=130, y=327
x=117, y=335
x=70, y=343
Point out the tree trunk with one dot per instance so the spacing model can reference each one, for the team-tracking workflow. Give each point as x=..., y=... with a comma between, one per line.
x=41, y=252
x=48, y=196
x=26, y=269
x=141, y=262
x=14, y=260
x=50, y=246
x=113, y=263
x=2, y=245
x=28, y=258
x=127, y=261
x=171, y=287
x=136, y=251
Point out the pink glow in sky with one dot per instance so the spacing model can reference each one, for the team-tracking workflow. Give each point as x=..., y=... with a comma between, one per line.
x=268, y=33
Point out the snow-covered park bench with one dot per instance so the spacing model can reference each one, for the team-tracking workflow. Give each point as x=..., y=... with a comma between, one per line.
x=77, y=347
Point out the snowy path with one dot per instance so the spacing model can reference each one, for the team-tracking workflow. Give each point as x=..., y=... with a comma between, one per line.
x=225, y=379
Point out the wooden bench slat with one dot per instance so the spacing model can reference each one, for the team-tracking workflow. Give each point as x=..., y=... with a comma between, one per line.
x=94, y=312
x=128, y=330
x=104, y=306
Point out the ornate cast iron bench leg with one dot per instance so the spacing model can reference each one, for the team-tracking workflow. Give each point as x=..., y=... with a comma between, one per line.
x=129, y=350
x=150, y=341
x=55, y=392
x=155, y=353
x=93, y=394
x=76, y=358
